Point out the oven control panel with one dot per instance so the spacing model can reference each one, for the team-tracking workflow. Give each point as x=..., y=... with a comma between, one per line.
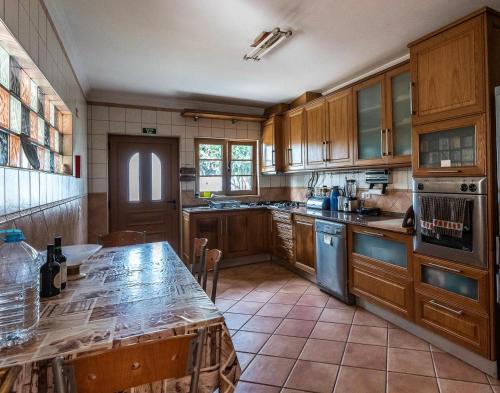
x=469, y=185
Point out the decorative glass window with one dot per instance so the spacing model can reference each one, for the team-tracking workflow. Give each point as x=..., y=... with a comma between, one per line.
x=226, y=167
x=41, y=102
x=41, y=131
x=46, y=140
x=25, y=120
x=133, y=178
x=41, y=157
x=156, y=178
x=52, y=139
x=57, y=142
x=34, y=96
x=14, y=151
x=4, y=68
x=4, y=148
x=52, y=114
x=33, y=126
x=4, y=108
x=15, y=115
x=25, y=88
x=15, y=77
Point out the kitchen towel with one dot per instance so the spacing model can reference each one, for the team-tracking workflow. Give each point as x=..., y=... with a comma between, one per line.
x=444, y=216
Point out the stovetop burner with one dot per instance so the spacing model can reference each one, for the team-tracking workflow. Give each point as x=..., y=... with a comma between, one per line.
x=278, y=204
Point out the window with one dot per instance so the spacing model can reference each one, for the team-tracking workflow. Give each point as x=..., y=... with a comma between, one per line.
x=226, y=167
x=155, y=177
x=133, y=178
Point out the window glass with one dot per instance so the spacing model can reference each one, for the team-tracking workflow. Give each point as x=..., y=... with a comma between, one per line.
x=133, y=178
x=241, y=167
x=155, y=177
x=210, y=167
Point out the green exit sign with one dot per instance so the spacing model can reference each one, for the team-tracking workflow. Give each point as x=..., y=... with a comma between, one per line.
x=149, y=131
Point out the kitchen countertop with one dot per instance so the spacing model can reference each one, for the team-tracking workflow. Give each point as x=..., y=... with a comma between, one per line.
x=386, y=221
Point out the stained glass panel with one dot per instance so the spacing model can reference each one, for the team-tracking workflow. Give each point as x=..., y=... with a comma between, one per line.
x=52, y=162
x=4, y=148
x=4, y=68
x=25, y=120
x=24, y=160
x=46, y=165
x=15, y=70
x=33, y=126
x=57, y=142
x=41, y=131
x=15, y=115
x=34, y=96
x=25, y=88
x=52, y=138
x=41, y=101
x=46, y=106
x=52, y=114
x=4, y=108
x=14, y=151
x=46, y=141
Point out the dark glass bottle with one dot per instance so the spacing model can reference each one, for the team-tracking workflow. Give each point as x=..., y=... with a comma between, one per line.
x=61, y=259
x=50, y=275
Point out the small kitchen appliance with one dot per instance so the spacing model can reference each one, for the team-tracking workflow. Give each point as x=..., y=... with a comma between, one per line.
x=318, y=202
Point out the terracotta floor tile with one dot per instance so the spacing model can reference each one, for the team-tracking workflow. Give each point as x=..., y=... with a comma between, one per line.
x=368, y=335
x=244, y=307
x=337, y=315
x=245, y=387
x=235, y=321
x=305, y=312
x=296, y=280
x=295, y=327
x=293, y=288
x=274, y=310
x=449, y=367
x=314, y=290
x=496, y=389
x=360, y=380
x=285, y=298
x=313, y=300
x=224, y=304
x=262, y=324
x=268, y=370
x=244, y=359
x=269, y=286
x=366, y=356
x=258, y=296
x=323, y=351
x=450, y=386
x=336, y=303
x=366, y=318
x=312, y=376
x=408, y=383
x=331, y=331
x=493, y=381
x=249, y=341
x=283, y=346
x=293, y=391
x=233, y=294
x=410, y=361
x=399, y=338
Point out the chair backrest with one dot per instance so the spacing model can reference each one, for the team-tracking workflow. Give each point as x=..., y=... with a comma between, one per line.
x=133, y=365
x=213, y=259
x=198, y=257
x=122, y=238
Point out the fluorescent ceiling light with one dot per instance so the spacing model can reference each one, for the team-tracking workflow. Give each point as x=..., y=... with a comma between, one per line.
x=266, y=41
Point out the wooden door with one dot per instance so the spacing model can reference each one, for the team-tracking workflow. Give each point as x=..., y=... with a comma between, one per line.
x=268, y=147
x=315, y=135
x=448, y=73
x=398, y=115
x=296, y=130
x=369, y=121
x=339, y=131
x=144, y=186
x=246, y=233
x=211, y=227
x=303, y=228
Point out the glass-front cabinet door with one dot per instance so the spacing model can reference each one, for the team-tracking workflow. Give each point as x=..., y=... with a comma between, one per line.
x=450, y=148
x=368, y=121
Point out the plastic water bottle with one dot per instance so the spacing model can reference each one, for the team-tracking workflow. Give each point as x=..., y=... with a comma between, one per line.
x=19, y=288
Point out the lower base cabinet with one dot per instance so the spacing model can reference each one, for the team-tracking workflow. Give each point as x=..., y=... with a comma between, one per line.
x=305, y=253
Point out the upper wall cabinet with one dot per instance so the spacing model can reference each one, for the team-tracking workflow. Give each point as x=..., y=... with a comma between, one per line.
x=448, y=72
x=382, y=119
x=293, y=137
x=339, y=129
x=271, y=145
x=315, y=139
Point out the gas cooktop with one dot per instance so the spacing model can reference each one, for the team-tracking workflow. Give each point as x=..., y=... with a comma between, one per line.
x=278, y=204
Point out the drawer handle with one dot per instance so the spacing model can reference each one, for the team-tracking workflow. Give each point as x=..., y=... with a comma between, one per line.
x=452, y=310
x=373, y=234
x=448, y=269
x=445, y=171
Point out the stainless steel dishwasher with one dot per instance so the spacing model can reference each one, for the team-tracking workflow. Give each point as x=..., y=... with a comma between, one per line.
x=331, y=259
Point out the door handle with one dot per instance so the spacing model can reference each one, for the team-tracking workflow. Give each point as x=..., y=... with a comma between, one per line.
x=273, y=157
x=446, y=171
x=326, y=150
x=290, y=156
x=382, y=142
x=387, y=133
x=452, y=310
x=173, y=202
x=373, y=234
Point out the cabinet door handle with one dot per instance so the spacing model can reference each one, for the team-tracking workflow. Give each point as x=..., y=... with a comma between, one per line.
x=387, y=133
x=327, y=142
x=448, y=269
x=382, y=151
x=412, y=88
x=452, y=310
x=373, y=234
x=273, y=157
x=290, y=156
x=445, y=171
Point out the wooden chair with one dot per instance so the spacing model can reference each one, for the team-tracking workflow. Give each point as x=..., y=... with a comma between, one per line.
x=198, y=255
x=213, y=258
x=122, y=238
x=132, y=365
x=7, y=378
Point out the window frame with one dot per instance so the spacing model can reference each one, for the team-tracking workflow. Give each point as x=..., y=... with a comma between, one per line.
x=226, y=165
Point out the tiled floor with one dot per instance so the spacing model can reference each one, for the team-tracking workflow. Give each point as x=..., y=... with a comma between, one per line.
x=293, y=338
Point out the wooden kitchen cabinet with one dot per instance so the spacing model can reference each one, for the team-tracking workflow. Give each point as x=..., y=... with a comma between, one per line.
x=382, y=125
x=381, y=268
x=448, y=72
x=271, y=145
x=315, y=140
x=339, y=131
x=197, y=225
x=293, y=136
x=282, y=236
x=246, y=233
x=455, y=147
x=303, y=236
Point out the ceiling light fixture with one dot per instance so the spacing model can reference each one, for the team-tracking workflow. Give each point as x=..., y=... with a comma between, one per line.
x=266, y=41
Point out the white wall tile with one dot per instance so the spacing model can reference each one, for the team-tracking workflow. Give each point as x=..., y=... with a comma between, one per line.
x=254, y=134
x=116, y=114
x=218, y=132
x=191, y=132
x=117, y=127
x=132, y=128
x=99, y=142
x=100, y=112
x=100, y=126
x=205, y=131
x=99, y=156
x=230, y=133
x=177, y=119
x=98, y=185
x=163, y=117
x=164, y=129
x=242, y=134
x=148, y=116
x=178, y=130
x=99, y=171
x=133, y=115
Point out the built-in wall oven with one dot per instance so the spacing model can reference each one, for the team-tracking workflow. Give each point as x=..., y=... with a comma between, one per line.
x=450, y=219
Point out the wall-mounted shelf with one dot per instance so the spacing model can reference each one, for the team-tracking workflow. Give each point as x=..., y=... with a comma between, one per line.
x=234, y=117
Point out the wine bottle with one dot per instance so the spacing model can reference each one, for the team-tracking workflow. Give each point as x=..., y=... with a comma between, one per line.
x=50, y=273
x=61, y=259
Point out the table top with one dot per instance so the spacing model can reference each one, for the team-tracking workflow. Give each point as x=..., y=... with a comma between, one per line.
x=129, y=294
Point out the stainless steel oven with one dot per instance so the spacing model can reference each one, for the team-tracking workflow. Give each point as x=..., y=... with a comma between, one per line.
x=470, y=193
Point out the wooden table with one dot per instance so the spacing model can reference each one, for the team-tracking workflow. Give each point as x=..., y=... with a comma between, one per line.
x=129, y=295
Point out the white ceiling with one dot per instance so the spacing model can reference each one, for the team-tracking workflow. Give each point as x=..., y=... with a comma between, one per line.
x=164, y=50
